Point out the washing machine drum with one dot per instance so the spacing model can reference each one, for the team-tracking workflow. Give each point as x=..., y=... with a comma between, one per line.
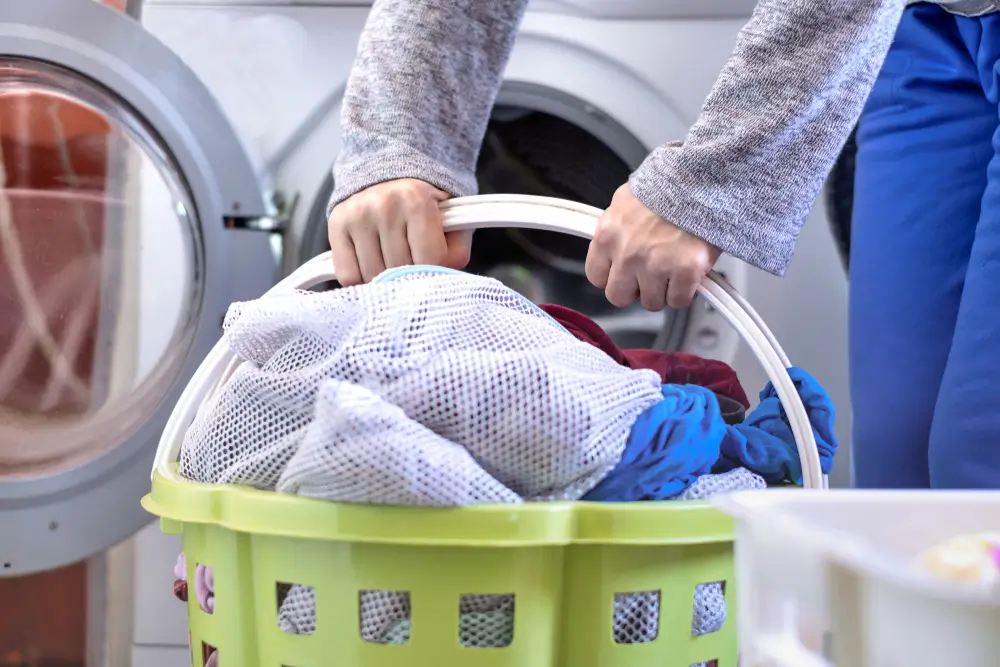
x=536, y=153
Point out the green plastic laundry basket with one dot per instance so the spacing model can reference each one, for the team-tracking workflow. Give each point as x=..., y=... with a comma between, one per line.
x=562, y=563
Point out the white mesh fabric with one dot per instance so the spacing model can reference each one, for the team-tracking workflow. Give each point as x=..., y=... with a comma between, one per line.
x=486, y=621
x=297, y=613
x=738, y=479
x=381, y=456
x=380, y=612
x=709, y=609
x=462, y=356
x=636, y=617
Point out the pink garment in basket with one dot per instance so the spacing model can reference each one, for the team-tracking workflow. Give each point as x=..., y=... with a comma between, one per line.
x=204, y=589
x=204, y=584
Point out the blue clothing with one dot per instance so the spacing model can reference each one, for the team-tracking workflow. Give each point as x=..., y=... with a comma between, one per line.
x=764, y=442
x=672, y=443
x=925, y=260
x=684, y=437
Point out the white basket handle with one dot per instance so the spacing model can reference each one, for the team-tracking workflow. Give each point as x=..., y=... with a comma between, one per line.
x=527, y=212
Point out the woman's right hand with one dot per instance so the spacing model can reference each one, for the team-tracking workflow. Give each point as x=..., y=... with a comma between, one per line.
x=396, y=223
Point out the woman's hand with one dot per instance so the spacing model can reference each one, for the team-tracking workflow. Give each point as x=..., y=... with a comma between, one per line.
x=396, y=223
x=637, y=254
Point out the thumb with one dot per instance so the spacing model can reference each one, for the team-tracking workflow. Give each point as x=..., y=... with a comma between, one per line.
x=459, y=250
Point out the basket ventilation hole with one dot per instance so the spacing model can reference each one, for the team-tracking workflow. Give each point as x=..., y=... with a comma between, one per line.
x=204, y=587
x=709, y=608
x=486, y=621
x=296, y=608
x=209, y=655
x=636, y=617
x=384, y=617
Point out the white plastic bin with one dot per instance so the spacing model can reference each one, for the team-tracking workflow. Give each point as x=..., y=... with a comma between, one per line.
x=827, y=579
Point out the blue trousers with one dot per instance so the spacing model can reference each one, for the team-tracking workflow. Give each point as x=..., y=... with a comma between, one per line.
x=925, y=260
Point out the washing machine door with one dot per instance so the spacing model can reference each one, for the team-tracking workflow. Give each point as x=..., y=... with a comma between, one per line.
x=125, y=199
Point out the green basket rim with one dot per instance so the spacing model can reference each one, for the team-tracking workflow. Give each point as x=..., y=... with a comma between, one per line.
x=247, y=510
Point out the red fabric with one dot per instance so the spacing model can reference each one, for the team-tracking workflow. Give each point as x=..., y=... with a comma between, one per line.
x=181, y=590
x=673, y=367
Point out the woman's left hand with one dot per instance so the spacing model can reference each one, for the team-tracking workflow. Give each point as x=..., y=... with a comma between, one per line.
x=637, y=254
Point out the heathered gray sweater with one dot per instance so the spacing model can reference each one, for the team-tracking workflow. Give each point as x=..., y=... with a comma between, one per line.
x=745, y=176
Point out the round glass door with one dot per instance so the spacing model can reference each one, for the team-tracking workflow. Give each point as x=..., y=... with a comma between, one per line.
x=125, y=203
x=101, y=267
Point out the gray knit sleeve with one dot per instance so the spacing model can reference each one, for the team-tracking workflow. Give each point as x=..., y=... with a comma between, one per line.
x=750, y=168
x=420, y=94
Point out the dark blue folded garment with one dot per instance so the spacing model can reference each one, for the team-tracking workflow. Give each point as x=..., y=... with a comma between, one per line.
x=684, y=436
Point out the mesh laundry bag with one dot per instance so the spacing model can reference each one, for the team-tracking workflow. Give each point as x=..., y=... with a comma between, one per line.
x=462, y=358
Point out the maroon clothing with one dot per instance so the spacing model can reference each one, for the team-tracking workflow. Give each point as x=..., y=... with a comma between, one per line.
x=673, y=367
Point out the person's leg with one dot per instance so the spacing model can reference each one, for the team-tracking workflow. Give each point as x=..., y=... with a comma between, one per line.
x=923, y=149
x=965, y=436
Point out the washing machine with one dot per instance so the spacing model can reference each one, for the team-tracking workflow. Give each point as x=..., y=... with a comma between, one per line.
x=222, y=123
x=130, y=218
